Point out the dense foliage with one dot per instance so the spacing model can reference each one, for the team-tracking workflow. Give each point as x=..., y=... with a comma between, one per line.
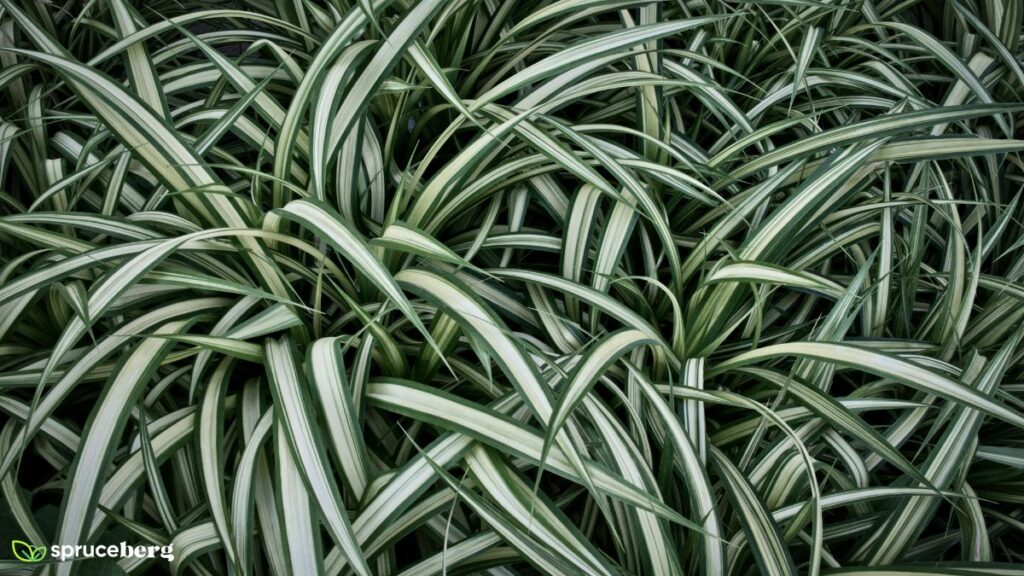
x=513, y=286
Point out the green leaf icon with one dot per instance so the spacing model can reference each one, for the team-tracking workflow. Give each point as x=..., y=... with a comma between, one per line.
x=26, y=552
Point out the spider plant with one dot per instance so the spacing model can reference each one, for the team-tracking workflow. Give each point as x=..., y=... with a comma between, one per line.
x=510, y=287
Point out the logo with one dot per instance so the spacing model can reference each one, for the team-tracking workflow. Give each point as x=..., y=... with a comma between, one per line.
x=26, y=552
x=66, y=553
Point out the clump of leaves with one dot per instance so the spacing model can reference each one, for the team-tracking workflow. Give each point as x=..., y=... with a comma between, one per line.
x=510, y=287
